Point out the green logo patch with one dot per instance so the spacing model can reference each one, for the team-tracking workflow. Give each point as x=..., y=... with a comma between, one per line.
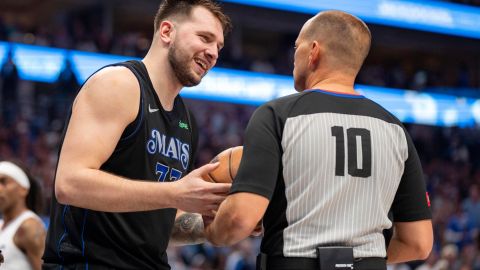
x=182, y=125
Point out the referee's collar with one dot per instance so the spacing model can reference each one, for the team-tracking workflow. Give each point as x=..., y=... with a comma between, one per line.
x=335, y=93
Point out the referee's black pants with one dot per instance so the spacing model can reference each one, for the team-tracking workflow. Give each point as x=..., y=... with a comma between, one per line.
x=291, y=263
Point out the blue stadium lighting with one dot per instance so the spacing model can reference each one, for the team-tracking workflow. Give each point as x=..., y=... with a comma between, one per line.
x=36, y=63
x=85, y=64
x=430, y=16
x=225, y=85
x=246, y=87
x=4, y=49
x=425, y=108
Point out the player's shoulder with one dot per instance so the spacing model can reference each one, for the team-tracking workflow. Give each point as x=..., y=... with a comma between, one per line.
x=110, y=86
x=31, y=223
x=30, y=233
x=30, y=226
x=115, y=77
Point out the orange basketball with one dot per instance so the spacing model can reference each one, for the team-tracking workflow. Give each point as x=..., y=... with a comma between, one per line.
x=227, y=170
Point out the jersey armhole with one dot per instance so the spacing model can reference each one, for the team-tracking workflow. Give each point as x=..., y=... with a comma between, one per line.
x=135, y=125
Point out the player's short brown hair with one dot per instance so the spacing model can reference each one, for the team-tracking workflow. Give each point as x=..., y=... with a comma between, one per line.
x=178, y=8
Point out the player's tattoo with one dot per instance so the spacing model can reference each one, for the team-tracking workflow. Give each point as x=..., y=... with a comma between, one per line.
x=188, y=229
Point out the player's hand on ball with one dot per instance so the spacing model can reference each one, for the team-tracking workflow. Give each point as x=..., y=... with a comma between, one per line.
x=229, y=160
x=194, y=195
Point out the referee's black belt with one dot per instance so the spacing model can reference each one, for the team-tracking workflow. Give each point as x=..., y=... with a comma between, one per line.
x=265, y=262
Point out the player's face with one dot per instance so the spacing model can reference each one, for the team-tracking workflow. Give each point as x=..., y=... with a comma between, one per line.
x=194, y=51
x=300, y=62
x=10, y=192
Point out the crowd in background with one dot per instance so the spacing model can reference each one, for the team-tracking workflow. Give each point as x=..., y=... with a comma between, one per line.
x=32, y=117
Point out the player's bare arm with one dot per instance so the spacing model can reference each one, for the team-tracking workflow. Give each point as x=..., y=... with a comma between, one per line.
x=411, y=241
x=30, y=238
x=105, y=106
x=187, y=230
x=236, y=219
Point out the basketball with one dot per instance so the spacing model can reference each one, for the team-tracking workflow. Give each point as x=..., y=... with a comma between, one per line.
x=227, y=170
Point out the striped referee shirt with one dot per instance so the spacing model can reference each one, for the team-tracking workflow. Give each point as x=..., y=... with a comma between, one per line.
x=333, y=166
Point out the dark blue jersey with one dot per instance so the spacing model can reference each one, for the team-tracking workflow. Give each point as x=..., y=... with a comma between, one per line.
x=157, y=146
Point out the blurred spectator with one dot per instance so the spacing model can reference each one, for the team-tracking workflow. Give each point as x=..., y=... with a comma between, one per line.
x=449, y=258
x=460, y=229
x=471, y=205
x=8, y=85
x=432, y=262
x=242, y=257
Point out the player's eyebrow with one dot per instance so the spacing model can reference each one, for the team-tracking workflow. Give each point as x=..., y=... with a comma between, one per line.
x=213, y=37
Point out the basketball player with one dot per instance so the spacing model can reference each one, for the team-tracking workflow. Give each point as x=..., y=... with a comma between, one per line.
x=124, y=164
x=323, y=167
x=22, y=233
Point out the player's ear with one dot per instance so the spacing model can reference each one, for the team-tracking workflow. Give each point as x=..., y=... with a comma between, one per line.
x=166, y=31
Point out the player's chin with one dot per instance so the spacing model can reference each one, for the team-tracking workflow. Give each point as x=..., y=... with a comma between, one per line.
x=198, y=74
x=193, y=80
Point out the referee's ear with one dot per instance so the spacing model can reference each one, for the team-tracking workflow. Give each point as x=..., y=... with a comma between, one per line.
x=316, y=54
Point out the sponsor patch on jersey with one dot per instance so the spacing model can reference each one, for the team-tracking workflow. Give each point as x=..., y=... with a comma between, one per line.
x=182, y=125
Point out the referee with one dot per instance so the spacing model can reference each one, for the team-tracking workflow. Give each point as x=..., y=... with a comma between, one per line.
x=325, y=166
